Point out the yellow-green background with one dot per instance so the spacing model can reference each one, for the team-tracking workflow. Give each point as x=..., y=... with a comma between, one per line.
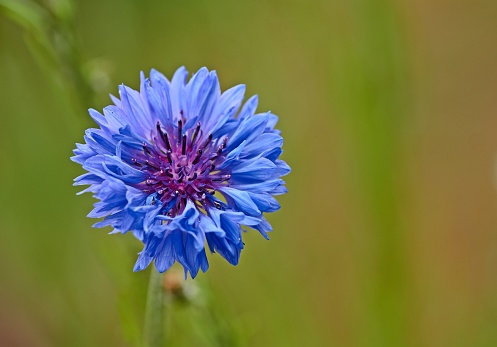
x=388, y=235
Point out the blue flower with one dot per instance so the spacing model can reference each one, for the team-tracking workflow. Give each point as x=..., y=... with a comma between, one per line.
x=179, y=164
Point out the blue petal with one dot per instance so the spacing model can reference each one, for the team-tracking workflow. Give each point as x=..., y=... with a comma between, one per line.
x=226, y=248
x=100, y=143
x=228, y=128
x=273, y=119
x=227, y=106
x=248, y=130
x=282, y=168
x=115, y=117
x=82, y=152
x=112, y=196
x=258, y=169
x=129, y=138
x=264, y=227
x=142, y=262
x=135, y=114
x=165, y=258
x=260, y=187
x=87, y=178
x=208, y=225
x=265, y=202
x=178, y=96
x=98, y=118
x=232, y=156
x=152, y=100
x=241, y=200
x=273, y=154
x=279, y=190
x=149, y=252
x=249, y=107
x=265, y=143
x=113, y=167
x=202, y=93
x=161, y=87
x=232, y=228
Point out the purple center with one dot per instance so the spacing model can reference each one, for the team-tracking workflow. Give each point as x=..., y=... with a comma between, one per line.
x=181, y=165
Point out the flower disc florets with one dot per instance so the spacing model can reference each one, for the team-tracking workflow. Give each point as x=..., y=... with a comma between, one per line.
x=178, y=165
x=182, y=167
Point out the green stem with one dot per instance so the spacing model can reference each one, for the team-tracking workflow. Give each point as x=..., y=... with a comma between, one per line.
x=155, y=315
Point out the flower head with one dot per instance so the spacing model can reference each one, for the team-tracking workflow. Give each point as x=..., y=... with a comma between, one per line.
x=179, y=164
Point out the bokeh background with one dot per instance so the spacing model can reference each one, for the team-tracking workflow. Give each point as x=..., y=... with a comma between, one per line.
x=388, y=236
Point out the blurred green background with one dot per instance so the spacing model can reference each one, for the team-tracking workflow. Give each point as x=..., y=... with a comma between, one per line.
x=388, y=236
